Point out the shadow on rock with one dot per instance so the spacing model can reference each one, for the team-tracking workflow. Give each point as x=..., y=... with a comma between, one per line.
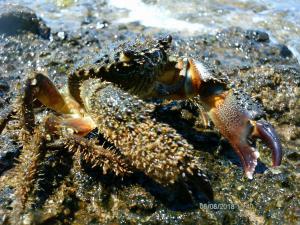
x=185, y=194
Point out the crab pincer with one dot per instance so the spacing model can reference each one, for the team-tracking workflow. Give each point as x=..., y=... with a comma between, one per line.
x=238, y=117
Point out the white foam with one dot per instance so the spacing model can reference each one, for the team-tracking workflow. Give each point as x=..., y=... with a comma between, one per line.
x=163, y=16
x=154, y=16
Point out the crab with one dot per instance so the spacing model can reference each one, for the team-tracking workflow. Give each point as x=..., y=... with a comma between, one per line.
x=151, y=72
x=110, y=96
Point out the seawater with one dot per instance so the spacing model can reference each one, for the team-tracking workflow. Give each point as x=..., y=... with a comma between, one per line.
x=279, y=18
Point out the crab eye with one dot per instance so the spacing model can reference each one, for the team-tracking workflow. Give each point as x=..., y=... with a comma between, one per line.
x=129, y=53
x=168, y=38
x=126, y=55
x=165, y=42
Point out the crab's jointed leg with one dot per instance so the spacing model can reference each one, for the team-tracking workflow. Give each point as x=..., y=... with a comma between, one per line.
x=33, y=139
x=41, y=87
x=97, y=155
x=64, y=127
x=71, y=125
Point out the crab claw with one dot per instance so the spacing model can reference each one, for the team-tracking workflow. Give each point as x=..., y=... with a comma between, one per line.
x=235, y=114
x=267, y=133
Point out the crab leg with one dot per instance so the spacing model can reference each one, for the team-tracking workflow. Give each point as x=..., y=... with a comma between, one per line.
x=27, y=171
x=70, y=127
x=42, y=88
x=34, y=141
x=97, y=155
x=80, y=126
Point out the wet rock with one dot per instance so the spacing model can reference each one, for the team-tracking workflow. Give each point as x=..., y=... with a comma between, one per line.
x=257, y=35
x=8, y=152
x=16, y=19
x=138, y=200
x=285, y=52
x=4, y=87
x=295, y=156
x=5, y=198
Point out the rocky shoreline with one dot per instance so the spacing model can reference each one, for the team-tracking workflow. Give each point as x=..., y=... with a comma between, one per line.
x=268, y=72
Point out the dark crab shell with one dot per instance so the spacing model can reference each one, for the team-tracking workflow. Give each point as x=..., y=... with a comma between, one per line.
x=134, y=67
